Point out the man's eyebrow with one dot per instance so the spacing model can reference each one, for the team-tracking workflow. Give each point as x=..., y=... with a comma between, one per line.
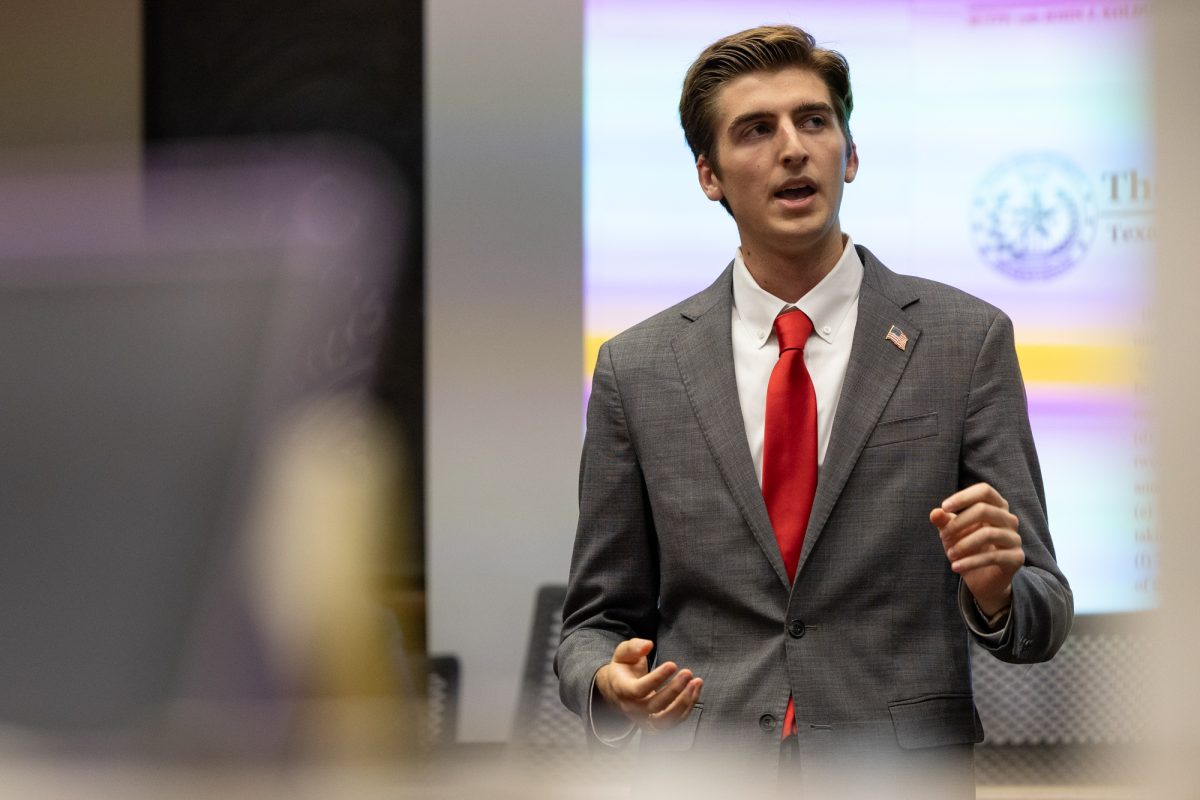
x=803, y=108
x=808, y=108
x=748, y=117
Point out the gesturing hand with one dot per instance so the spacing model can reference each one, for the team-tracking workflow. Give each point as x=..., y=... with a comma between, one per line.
x=656, y=700
x=981, y=541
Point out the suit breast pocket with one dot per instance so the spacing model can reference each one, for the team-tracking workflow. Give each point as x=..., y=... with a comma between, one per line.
x=904, y=430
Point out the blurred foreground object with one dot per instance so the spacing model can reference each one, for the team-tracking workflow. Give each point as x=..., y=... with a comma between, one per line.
x=174, y=340
x=319, y=538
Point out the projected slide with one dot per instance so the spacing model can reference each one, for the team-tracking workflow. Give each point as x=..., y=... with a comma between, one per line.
x=1004, y=149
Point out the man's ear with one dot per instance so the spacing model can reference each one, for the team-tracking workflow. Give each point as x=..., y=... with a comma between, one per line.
x=709, y=181
x=852, y=163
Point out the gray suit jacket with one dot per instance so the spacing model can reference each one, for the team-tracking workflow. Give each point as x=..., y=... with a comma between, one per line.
x=674, y=542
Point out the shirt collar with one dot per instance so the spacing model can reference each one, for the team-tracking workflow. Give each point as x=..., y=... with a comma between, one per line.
x=826, y=304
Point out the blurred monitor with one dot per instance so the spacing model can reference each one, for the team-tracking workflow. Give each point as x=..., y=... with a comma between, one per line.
x=154, y=324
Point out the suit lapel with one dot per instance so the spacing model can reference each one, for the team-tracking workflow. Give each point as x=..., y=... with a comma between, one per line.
x=874, y=370
x=704, y=352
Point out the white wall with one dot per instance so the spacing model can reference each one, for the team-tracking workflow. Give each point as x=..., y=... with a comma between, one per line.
x=504, y=332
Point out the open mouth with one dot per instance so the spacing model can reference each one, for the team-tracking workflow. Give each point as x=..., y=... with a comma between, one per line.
x=796, y=193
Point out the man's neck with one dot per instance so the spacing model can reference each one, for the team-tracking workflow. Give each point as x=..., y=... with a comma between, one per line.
x=790, y=276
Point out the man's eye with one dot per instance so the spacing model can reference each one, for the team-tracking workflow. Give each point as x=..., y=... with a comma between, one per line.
x=759, y=129
x=813, y=122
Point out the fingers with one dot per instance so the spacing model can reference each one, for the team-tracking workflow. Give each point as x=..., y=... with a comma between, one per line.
x=978, y=493
x=987, y=546
x=679, y=709
x=666, y=694
x=631, y=651
x=954, y=525
x=687, y=700
x=1010, y=560
x=978, y=530
x=981, y=539
x=625, y=677
x=940, y=517
x=655, y=700
x=632, y=681
x=649, y=683
x=979, y=534
x=975, y=517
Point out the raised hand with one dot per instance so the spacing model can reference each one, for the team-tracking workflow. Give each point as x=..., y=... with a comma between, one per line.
x=654, y=700
x=980, y=538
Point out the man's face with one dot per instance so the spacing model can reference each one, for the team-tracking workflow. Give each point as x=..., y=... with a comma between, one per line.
x=783, y=162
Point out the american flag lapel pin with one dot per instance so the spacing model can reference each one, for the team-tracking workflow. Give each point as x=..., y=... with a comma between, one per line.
x=897, y=337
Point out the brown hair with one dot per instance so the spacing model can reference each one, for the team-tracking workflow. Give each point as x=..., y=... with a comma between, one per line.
x=765, y=49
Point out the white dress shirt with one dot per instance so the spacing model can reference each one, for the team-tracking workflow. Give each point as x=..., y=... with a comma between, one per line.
x=832, y=305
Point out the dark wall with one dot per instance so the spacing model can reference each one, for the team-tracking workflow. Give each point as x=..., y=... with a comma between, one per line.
x=230, y=68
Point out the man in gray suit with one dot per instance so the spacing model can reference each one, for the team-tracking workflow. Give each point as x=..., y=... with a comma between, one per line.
x=928, y=524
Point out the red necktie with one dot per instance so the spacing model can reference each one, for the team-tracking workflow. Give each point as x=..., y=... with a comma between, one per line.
x=790, y=449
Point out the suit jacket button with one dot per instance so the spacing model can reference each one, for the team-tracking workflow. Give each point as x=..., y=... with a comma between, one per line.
x=766, y=722
x=795, y=628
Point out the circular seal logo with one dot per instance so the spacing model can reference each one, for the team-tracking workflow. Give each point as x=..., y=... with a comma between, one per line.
x=1033, y=216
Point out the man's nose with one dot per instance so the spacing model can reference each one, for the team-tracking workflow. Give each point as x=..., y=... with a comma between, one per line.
x=791, y=144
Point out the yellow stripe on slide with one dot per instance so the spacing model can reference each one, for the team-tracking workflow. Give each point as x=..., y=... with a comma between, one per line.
x=1081, y=364
x=591, y=348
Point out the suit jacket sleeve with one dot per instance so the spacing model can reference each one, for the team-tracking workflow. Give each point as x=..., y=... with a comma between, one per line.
x=998, y=448
x=613, y=588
